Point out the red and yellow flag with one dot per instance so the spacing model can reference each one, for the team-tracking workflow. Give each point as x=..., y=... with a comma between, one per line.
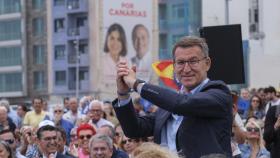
x=164, y=69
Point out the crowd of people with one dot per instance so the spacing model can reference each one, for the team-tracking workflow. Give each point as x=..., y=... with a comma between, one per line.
x=88, y=128
x=203, y=120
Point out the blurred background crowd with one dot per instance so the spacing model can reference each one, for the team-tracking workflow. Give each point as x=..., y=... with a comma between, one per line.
x=87, y=128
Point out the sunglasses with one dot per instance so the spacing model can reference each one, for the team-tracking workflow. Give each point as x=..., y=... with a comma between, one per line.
x=256, y=100
x=57, y=111
x=249, y=129
x=85, y=136
x=73, y=135
x=10, y=141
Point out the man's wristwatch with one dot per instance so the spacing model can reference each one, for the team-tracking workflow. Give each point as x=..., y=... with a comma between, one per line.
x=136, y=83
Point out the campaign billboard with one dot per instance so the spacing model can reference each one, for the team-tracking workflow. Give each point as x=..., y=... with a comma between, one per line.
x=127, y=34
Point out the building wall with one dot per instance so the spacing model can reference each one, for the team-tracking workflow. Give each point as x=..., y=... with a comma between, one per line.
x=69, y=29
x=36, y=28
x=263, y=51
x=173, y=24
x=12, y=45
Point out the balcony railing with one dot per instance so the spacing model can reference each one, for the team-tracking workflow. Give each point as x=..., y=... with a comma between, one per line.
x=73, y=31
x=73, y=4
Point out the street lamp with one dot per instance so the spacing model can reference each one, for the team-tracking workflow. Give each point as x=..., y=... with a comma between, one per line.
x=76, y=42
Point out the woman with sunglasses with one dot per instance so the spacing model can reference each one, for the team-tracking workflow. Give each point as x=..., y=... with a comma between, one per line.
x=256, y=107
x=253, y=147
x=5, y=150
x=84, y=133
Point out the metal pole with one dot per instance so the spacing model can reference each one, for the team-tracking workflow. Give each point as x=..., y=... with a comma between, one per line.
x=77, y=67
x=226, y=12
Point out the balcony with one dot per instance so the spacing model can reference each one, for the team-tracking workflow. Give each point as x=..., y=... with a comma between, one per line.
x=73, y=32
x=72, y=58
x=74, y=6
x=83, y=85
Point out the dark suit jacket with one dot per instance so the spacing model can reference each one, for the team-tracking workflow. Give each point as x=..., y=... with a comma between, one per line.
x=205, y=129
x=272, y=136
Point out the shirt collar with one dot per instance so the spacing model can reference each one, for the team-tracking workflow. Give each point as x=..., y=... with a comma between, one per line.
x=197, y=88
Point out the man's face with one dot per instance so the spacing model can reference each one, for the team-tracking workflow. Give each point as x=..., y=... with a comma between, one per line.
x=37, y=105
x=10, y=139
x=269, y=96
x=100, y=149
x=66, y=103
x=141, y=42
x=73, y=104
x=20, y=112
x=191, y=75
x=3, y=115
x=48, y=142
x=245, y=94
x=58, y=112
x=95, y=113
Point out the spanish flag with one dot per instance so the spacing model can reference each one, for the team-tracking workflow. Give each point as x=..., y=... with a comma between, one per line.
x=164, y=69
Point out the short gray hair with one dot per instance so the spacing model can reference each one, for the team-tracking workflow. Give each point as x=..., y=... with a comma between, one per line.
x=60, y=106
x=101, y=137
x=92, y=103
x=5, y=103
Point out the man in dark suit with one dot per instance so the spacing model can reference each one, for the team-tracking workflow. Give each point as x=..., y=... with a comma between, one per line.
x=195, y=121
x=272, y=131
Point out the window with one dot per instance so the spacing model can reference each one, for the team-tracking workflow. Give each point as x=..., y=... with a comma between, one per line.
x=9, y=6
x=38, y=4
x=83, y=48
x=178, y=11
x=38, y=26
x=162, y=11
x=83, y=74
x=39, y=83
x=59, y=2
x=59, y=52
x=58, y=25
x=10, y=82
x=10, y=56
x=72, y=4
x=81, y=21
x=10, y=30
x=39, y=54
x=60, y=78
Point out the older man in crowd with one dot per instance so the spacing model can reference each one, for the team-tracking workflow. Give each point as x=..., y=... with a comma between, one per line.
x=5, y=121
x=60, y=122
x=101, y=146
x=73, y=113
x=95, y=114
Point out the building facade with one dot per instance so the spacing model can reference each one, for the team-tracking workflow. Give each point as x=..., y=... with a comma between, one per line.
x=259, y=31
x=177, y=18
x=69, y=54
x=12, y=49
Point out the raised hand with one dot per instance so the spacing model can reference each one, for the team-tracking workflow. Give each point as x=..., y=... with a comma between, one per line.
x=122, y=70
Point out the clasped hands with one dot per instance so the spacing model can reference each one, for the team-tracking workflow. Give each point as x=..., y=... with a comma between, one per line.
x=126, y=77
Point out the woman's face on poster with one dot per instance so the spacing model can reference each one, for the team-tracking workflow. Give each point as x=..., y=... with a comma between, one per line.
x=114, y=43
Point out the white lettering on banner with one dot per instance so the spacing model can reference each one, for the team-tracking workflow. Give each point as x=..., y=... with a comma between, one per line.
x=134, y=13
